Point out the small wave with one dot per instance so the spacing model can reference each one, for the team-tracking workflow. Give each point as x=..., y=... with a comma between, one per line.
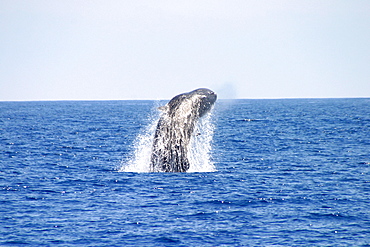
x=252, y=120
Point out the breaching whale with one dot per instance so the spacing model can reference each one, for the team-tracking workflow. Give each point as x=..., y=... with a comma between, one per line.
x=175, y=128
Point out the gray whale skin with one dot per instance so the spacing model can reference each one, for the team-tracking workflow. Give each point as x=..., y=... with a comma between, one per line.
x=175, y=128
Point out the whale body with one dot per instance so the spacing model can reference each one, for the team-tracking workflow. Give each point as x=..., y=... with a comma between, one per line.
x=175, y=128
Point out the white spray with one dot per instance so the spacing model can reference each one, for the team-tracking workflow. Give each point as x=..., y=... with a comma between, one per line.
x=199, y=148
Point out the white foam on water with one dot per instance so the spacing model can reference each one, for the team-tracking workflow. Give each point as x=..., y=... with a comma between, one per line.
x=198, y=153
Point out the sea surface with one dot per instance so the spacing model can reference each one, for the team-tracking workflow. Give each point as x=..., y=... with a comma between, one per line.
x=288, y=172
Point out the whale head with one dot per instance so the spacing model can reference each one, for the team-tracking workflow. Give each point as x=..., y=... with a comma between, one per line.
x=196, y=103
x=204, y=99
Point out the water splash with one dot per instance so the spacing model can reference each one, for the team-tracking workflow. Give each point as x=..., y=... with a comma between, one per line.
x=139, y=160
x=199, y=147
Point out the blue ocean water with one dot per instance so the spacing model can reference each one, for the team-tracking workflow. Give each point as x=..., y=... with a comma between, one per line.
x=292, y=172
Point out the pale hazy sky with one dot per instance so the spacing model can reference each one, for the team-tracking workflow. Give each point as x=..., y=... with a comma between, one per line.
x=94, y=50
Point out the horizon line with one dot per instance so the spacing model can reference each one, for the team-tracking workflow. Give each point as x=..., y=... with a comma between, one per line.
x=152, y=99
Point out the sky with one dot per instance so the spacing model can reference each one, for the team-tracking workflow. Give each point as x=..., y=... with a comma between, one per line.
x=117, y=50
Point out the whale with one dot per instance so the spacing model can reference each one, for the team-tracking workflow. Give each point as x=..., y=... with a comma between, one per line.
x=175, y=129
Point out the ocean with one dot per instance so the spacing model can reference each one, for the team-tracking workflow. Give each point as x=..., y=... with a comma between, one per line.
x=279, y=172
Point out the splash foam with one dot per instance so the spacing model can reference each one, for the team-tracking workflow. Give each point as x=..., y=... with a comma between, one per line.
x=198, y=154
